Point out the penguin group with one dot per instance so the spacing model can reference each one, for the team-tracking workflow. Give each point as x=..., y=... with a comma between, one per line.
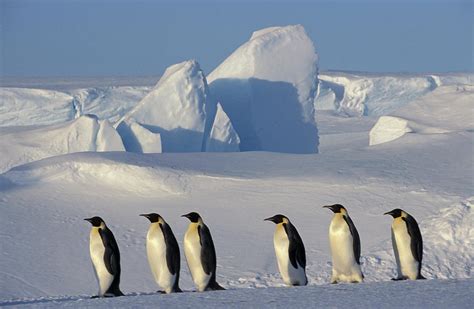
x=164, y=254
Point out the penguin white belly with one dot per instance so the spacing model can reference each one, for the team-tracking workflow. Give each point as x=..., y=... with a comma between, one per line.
x=344, y=265
x=156, y=252
x=407, y=266
x=192, y=251
x=290, y=275
x=97, y=251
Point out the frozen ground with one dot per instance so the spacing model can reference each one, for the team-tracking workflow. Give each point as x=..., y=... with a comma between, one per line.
x=426, y=294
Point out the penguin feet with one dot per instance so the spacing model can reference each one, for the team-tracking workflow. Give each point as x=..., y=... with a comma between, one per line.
x=95, y=296
x=111, y=295
x=161, y=292
x=399, y=279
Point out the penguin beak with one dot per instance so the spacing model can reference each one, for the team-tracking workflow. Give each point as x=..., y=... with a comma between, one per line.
x=272, y=219
x=388, y=213
x=88, y=219
x=185, y=216
x=329, y=207
x=144, y=215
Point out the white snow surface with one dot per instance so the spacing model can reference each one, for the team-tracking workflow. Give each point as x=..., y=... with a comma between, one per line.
x=267, y=87
x=176, y=108
x=26, y=144
x=44, y=256
x=223, y=137
x=427, y=294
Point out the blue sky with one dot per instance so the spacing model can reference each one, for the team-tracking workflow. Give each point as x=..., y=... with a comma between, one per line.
x=133, y=38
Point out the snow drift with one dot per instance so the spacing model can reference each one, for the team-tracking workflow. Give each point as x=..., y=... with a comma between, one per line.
x=176, y=108
x=267, y=87
x=452, y=231
x=446, y=109
x=116, y=171
x=87, y=133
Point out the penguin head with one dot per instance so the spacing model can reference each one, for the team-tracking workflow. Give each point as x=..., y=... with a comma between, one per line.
x=277, y=219
x=153, y=217
x=397, y=212
x=336, y=208
x=95, y=221
x=192, y=216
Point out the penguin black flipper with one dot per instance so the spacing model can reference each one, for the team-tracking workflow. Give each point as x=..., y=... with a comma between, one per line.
x=416, y=243
x=111, y=259
x=172, y=249
x=208, y=256
x=296, y=249
x=355, y=238
x=208, y=252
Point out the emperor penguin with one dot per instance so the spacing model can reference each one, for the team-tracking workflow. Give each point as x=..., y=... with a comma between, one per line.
x=407, y=245
x=163, y=253
x=289, y=250
x=105, y=256
x=345, y=247
x=200, y=254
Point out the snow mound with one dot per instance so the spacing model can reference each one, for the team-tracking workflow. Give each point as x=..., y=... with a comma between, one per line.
x=118, y=171
x=387, y=129
x=223, y=137
x=267, y=88
x=451, y=230
x=86, y=133
x=446, y=109
x=176, y=108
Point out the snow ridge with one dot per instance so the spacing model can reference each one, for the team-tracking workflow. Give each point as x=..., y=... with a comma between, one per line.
x=86, y=133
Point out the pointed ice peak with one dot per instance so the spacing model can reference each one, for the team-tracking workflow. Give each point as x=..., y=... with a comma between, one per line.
x=260, y=32
x=189, y=68
x=223, y=137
